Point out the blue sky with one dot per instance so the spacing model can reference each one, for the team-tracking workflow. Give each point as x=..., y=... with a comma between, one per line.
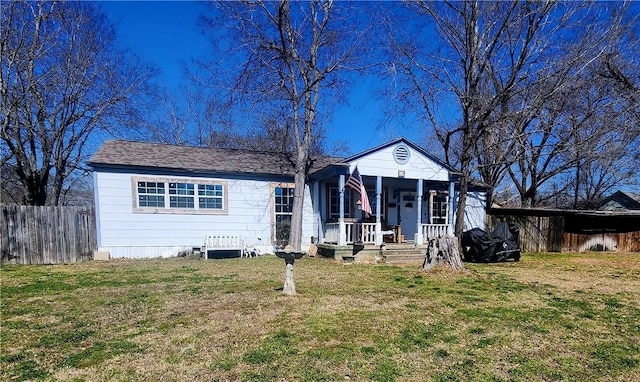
x=166, y=34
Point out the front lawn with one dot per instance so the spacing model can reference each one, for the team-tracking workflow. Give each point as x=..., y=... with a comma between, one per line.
x=549, y=317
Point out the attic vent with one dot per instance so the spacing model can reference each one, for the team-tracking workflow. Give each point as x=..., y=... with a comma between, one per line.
x=401, y=154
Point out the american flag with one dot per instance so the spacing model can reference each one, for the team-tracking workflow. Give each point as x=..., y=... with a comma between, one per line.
x=355, y=182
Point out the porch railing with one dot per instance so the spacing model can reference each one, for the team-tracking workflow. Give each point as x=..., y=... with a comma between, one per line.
x=367, y=232
x=432, y=231
x=332, y=232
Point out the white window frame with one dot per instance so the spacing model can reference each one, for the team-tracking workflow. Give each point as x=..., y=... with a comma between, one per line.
x=182, y=195
x=156, y=193
x=274, y=213
x=437, y=218
x=217, y=195
x=349, y=195
x=371, y=193
x=347, y=198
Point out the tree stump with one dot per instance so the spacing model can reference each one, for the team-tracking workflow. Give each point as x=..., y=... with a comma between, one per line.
x=443, y=251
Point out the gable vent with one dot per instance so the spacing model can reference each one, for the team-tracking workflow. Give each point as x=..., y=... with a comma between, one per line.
x=401, y=154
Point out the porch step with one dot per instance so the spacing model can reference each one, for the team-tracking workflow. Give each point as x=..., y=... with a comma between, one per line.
x=400, y=246
x=403, y=256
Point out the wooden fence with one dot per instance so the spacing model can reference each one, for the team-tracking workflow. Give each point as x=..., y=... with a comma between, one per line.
x=547, y=234
x=537, y=233
x=608, y=241
x=46, y=235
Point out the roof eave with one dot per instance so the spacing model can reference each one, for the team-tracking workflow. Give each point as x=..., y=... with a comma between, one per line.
x=330, y=171
x=96, y=166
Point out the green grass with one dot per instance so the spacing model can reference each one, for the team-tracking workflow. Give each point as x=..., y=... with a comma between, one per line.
x=549, y=317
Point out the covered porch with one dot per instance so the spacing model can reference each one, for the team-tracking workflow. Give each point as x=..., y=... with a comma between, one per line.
x=404, y=211
x=410, y=191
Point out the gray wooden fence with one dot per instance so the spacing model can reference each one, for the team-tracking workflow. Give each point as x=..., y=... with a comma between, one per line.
x=547, y=234
x=537, y=233
x=46, y=234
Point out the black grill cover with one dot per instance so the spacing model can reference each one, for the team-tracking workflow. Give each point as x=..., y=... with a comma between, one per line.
x=500, y=245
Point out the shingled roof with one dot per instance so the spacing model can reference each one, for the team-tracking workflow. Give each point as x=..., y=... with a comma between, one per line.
x=621, y=201
x=118, y=153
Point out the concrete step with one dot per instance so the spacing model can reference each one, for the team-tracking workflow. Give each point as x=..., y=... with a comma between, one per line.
x=403, y=247
x=409, y=256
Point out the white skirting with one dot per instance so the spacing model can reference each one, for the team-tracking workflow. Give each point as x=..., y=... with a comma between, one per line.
x=146, y=252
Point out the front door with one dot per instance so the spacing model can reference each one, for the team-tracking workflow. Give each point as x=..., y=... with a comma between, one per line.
x=408, y=214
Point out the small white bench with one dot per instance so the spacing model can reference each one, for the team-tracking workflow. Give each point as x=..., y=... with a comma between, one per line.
x=225, y=246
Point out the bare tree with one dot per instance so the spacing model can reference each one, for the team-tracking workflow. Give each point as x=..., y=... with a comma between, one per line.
x=197, y=116
x=289, y=60
x=581, y=131
x=484, y=52
x=189, y=116
x=543, y=151
x=61, y=83
x=611, y=159
x=584, y=124
x=507, y=69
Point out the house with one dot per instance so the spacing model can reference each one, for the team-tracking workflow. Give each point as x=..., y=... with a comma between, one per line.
x=621, y=201
x=155, y=200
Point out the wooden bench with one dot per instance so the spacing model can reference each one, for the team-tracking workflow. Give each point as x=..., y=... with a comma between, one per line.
x=225, y=246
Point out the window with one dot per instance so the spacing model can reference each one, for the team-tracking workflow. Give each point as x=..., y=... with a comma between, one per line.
x=439, y=207
x=283, y=209
x=183, y=196
x=151, y=194
x=349, y=195
x=334, y=203
x=210, y=196
x=372, y=199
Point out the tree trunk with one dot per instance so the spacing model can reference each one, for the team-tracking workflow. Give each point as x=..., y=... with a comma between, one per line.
x=292, y=56
x=443, y=251
x=462, y=201
x=295, y=234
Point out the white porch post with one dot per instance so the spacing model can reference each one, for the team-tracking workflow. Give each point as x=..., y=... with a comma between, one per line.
x=378, y=209
x=418, y=238
x=452, y=197
x=342, y=229
x=316, y=212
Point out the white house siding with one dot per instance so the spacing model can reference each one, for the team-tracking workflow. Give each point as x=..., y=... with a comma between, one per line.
x=383, y=163
x=125, y=233
x=475, y=213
